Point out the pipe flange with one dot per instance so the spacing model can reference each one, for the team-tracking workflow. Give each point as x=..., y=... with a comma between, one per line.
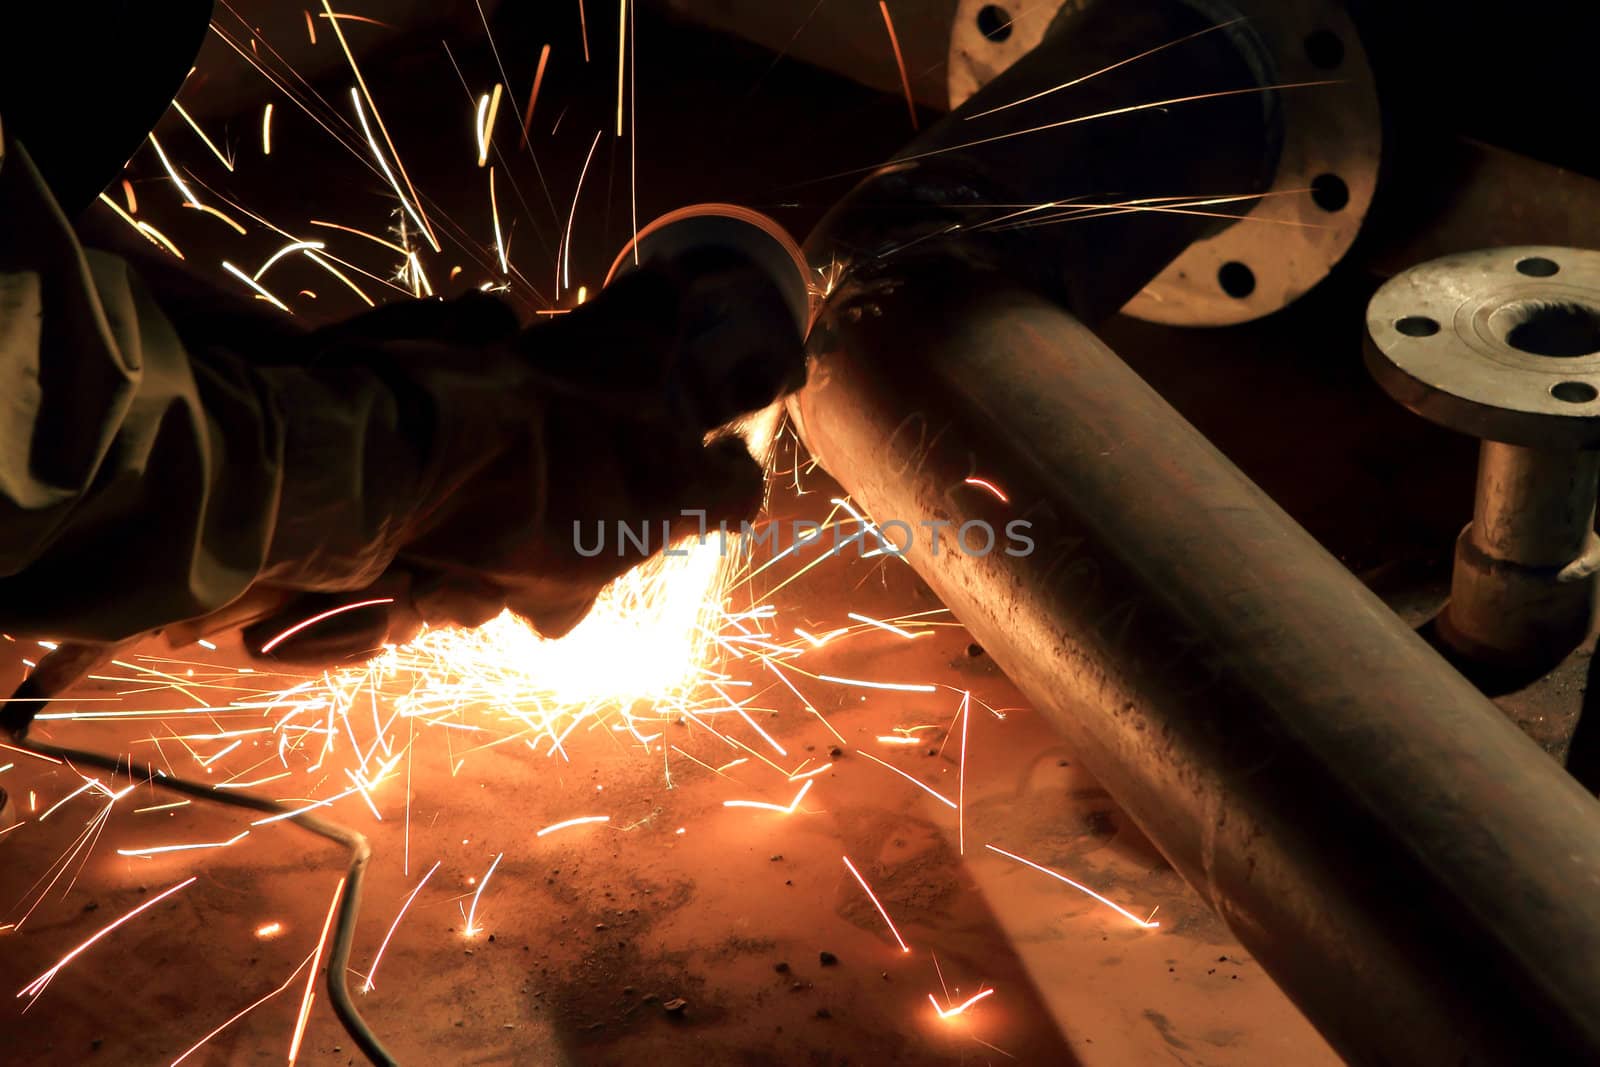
x=1502, y=344
x=1327, y=171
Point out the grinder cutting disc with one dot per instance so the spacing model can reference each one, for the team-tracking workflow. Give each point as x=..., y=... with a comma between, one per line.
x=736, y=229
x=747, y=307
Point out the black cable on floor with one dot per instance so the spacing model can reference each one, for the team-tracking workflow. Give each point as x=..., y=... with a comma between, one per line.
x=349, y=901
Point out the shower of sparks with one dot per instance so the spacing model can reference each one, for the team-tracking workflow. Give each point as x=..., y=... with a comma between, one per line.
x=876, y=903
x=899, y=61
x=1080, y=887
x=961, y=1008
x=34, y=988
x=581, y=821
x=472, y=928
x=366, y=986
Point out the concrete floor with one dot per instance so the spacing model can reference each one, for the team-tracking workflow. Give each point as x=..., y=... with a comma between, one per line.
x=589, y=933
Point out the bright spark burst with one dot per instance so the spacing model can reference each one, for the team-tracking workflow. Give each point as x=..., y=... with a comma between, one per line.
x=959, y=1009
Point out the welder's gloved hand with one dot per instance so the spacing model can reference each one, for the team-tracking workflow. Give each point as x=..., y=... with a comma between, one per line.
x=600, y=418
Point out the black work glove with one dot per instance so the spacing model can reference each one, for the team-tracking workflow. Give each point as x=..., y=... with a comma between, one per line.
x=599, y=417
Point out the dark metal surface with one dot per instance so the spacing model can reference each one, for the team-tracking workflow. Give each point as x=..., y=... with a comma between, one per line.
x=1413, y=871
x=1275, y=248
x=1471, y=341
x=1408, y=866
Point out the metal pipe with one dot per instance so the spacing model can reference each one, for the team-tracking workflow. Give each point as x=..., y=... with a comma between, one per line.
x=1418, y=876
x=1409, y=867
x=1504, y=343
x=1523, y=588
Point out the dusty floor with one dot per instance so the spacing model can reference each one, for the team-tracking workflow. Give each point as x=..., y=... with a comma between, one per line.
x=588, y=935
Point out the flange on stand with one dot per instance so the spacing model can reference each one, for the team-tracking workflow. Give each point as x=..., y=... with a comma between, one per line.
x=1504, y=344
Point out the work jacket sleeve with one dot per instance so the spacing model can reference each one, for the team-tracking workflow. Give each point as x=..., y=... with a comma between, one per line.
x=142, y=484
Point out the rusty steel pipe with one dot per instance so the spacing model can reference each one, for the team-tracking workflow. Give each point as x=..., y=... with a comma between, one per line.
x=1419, y=877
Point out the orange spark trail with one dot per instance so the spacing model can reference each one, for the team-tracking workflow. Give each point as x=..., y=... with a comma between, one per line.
x=183, y=848
x=266, y=131
x=488, y=110
x=494, y=211
x=202, y=134
x=880, y=624
x=877, y=904
x=905, y=687
x=984, y=483
x=367, y=986
x=1107, y=70
x=564, y=279
x=316, y=962
x=790, y=810
x=34, y=988
x=209, y=210
x=900, y=61
x=472, y=927
x=433, y=241
x=1078, y=886
x=940, y=797
x=252, y=283
x=286, y=983
x=330, y=613
x=622, y=56
x=538, y=79
x=961, y=780
x=553, y=827
x=583, y=26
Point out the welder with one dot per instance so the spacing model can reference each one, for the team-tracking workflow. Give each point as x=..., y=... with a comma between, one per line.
x=172, y=460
